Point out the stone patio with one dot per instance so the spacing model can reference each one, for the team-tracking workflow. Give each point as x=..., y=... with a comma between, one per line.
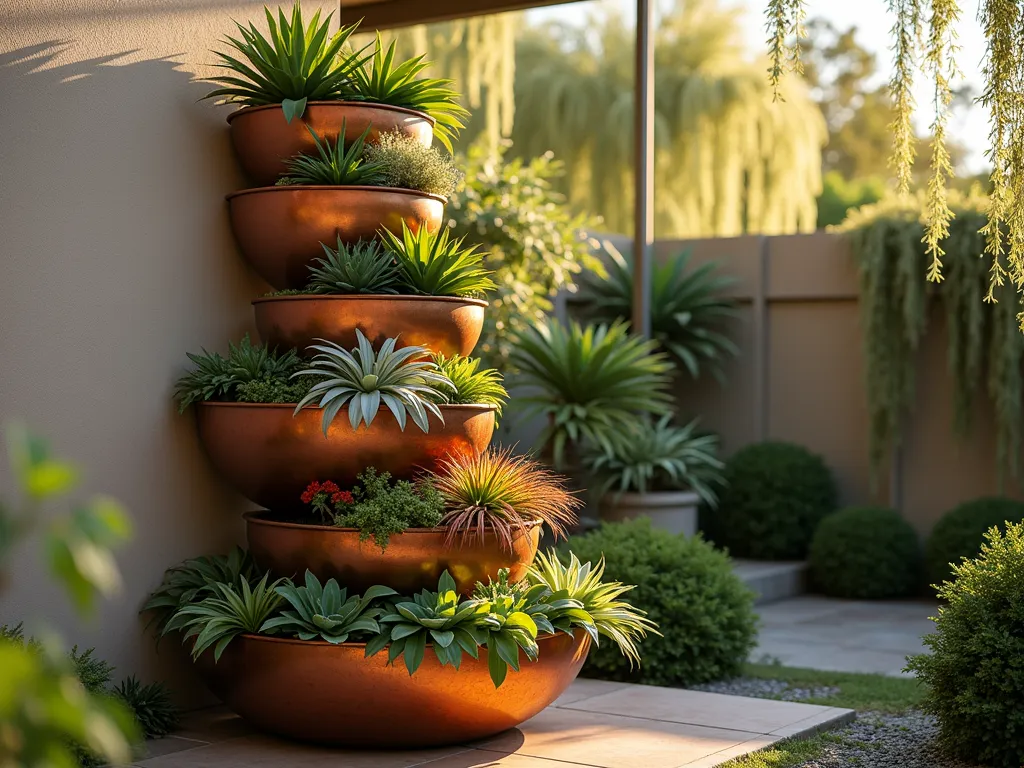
x=843, y=635
x=595, y=723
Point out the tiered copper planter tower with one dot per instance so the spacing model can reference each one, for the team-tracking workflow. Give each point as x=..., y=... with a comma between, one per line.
x=316, y=691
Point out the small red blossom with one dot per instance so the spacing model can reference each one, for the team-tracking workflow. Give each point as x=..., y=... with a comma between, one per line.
x=342, y=497
x=329, y=487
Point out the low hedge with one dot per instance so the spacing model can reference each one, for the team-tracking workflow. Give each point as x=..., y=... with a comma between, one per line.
x=961, y=532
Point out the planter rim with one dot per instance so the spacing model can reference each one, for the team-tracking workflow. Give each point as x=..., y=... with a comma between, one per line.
x=291, y=406
x=257, y=516
x=335, y=103
x=654, y=495
x=331, y=188
x=371, y=297
x=322, y=643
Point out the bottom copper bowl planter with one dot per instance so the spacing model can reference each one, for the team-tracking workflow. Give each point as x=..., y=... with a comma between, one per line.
x=412, y=561
x=332, y=694
x=270, y=457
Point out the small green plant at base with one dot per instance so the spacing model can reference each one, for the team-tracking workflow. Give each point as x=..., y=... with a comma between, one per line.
x=973, y=674
x=151, y=704
x=961, y=532
x=865, y=553
x=405, y=163
x=333, y=165
x=862, y=692
x=361, y=267
x=472, y=386
x=435, y=264
x=774, y=496
x=401, y=380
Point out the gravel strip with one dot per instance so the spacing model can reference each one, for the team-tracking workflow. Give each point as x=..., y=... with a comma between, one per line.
x=767, y=689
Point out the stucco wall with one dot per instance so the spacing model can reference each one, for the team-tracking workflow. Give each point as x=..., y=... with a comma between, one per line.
x=117, y=257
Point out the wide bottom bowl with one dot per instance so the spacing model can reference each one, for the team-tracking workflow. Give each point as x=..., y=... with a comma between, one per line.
x=332, y=694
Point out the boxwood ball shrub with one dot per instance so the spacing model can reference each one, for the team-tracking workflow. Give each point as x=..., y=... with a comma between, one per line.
x=974, y=672
x=961, y=532
x=867, y=553
x=704, y=612
x=775, y=495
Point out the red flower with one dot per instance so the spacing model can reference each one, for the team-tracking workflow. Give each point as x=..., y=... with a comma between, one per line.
x=342, y=497
x=311, y=491
x=329, y=487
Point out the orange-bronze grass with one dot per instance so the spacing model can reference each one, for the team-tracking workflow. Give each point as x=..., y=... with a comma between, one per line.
x=497, y=491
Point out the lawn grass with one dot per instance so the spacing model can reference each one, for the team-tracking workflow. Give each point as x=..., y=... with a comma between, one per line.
x=786, y=754
x=876, y=693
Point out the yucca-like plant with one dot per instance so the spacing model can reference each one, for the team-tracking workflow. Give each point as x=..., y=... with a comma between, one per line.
x=333, y=165
x=602, y=613
x=151, y=704
x=659, y=456
x=215, y=621
x=403, y=380
x=326, y=612
x=472, y=385
x=382, y=80
x=297, y=64
x=591, y=382
x=362, y=267
x=435, y=264
x=500, y=492
x=193, y=580
x=688, y=308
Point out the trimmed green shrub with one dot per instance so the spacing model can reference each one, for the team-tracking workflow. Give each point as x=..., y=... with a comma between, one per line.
x=703, y=610
x=961, y=532
x=866, y=553
x=974, y=673
x=775, y=495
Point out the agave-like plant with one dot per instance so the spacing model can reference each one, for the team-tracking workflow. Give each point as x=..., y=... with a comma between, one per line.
x=472, y=385
x=503, y=493
x=361, y=267
x=659, y=456
x=217, y=620
x=602, y=613
x=434, y=264
x=689, y=309
x=326, y=611
x=591, y=382
x=334, y=165
x=403, y=379
x=297, y=64
x=380, y=79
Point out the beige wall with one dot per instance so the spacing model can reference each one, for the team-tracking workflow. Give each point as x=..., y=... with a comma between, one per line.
x=117, y=257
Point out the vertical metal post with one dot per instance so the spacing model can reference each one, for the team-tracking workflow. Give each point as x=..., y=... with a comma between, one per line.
x=643, y=133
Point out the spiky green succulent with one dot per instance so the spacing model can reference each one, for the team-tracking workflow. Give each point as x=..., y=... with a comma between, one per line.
x=472, y=385
x=361, y=267
x=334, y=164
x=435, y=264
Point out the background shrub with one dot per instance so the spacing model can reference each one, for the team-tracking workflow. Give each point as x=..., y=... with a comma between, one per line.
x=689, y=589
x=775, y=495
x=865, y=553
x=974, y=673
x=961, y=532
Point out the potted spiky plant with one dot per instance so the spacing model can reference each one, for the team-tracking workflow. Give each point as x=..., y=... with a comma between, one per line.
x=299, y=75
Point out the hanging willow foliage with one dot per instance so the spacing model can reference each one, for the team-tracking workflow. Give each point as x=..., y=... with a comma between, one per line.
x=924, y=37
x=985, y=352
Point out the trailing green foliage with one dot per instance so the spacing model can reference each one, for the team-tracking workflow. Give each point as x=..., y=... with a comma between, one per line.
x=658, y=456
x=249, y=370
x=865, y=553
x=685, y=587
x=362, y=267
x=774, y=496
x=297, y=64
x=334, y=165
x=364, y=380
x=973, y=674
x=405, y=163
x=985, y=350
x=961, y=532
x=382, y=507
x=591, y=383
x=382, y=80
x=435, y=264
x=472, y=386
x=326, y=612
x=152, y=706
x=688, y=307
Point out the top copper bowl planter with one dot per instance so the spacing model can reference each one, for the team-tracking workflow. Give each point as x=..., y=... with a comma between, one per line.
x=280, y=229
x=444, y=324
x=263, y=139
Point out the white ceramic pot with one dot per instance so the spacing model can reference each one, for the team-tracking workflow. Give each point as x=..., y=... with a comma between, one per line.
x=673, y=511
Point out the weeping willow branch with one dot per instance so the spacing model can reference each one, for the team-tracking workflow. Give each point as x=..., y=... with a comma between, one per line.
x=985, y=351
x=785, y=29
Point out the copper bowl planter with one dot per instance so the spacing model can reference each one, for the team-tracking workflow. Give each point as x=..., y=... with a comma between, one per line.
x=332, y=694
x=444, y=324
x=270, y=457
x=280, y=229
x=412, y=561
x=263, y=139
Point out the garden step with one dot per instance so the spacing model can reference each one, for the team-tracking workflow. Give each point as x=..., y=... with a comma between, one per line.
x=772, y=581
